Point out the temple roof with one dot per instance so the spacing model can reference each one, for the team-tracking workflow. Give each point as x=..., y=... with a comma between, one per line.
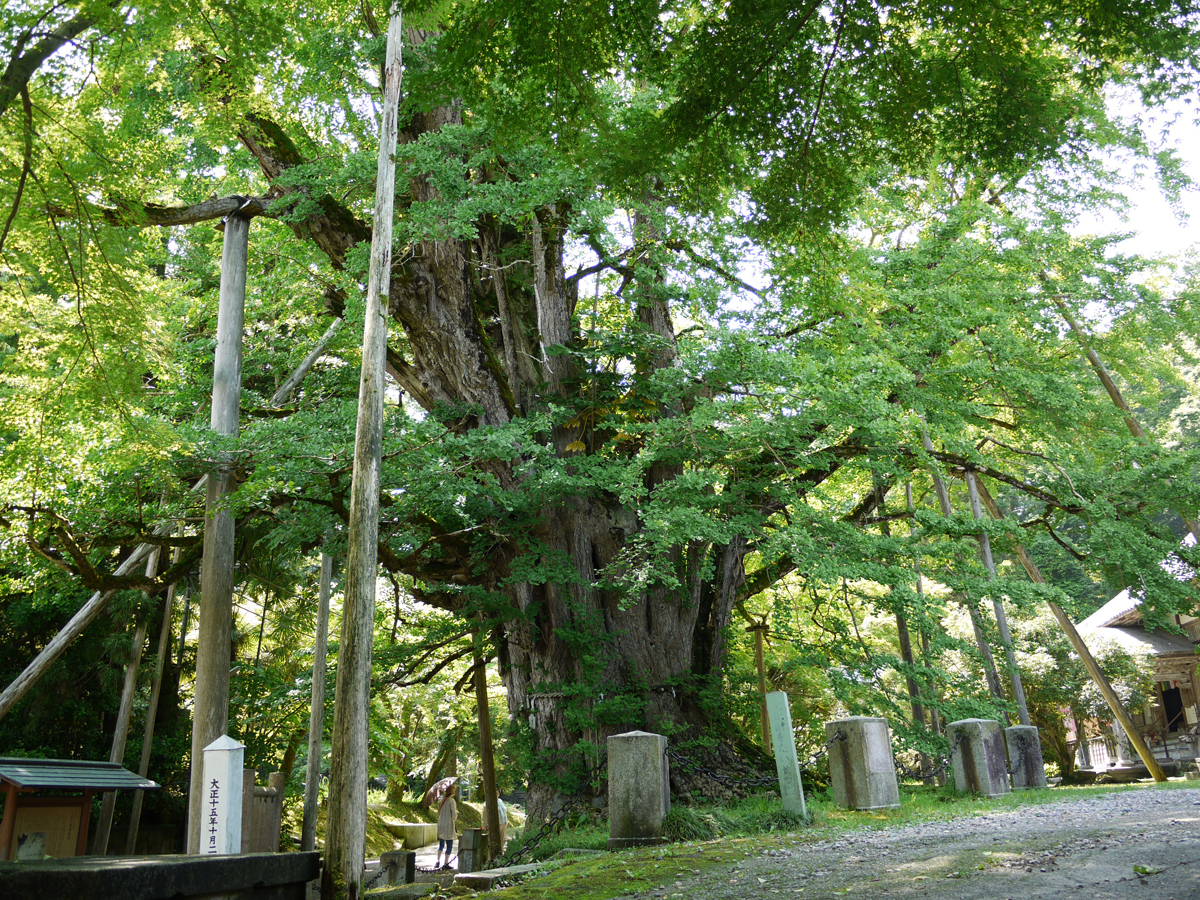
x=70, y=775
x=1122, y=610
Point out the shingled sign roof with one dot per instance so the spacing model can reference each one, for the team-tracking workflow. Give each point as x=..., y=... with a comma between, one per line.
x=70, y=775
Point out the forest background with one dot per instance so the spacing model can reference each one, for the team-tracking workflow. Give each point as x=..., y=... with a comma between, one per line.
x=692, y=307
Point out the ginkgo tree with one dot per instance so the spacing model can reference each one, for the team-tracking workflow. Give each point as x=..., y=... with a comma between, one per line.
x=613, y=430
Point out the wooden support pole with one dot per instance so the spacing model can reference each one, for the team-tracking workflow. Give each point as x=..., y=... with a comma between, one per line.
x=164, y=650
x=87, y=614
x=906, y=648
x=98, y=602
x=1114, y=394
x=284, y=392
x=116, y=754
x=981, y=642
x=316, y=710
x=985, y=550
x=210, y=714
x=1089, y=662
x=9, y=822
x=346, y=823
x=487, y=758
x=759, y=630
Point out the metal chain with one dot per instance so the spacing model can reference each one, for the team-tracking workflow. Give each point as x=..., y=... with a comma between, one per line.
x=905, y=772
x=838, y=735
x=691, y=766
x=554, y=822
x=374, y=878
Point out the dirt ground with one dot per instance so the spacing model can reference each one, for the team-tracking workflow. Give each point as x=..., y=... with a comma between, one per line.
x=1140, y=843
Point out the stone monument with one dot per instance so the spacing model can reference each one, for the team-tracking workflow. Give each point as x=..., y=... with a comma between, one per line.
x=1025, y=757
x=787, y=766
x=639, y=789
x=977, y=757
x=862, y=770
x=221, y=825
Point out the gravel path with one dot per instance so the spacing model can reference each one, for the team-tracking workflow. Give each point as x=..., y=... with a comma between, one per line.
x=1141, y=843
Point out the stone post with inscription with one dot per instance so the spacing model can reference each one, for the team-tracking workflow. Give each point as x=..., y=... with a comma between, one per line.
x=787, y=766
x=639, y=789
x=221, y=822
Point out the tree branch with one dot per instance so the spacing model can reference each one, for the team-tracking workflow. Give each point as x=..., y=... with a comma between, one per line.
x=137, y=214
x=25, y=164
x=23, y=64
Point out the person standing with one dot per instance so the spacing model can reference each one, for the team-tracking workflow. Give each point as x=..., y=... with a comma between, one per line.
x=447, y=829
x=503, y=811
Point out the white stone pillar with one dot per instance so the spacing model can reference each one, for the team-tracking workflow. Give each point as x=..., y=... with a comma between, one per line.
x=977, y=758
x=1025, y=757
x=862, y=769
x=639, y=789
x=787, y=766
x=221, y=807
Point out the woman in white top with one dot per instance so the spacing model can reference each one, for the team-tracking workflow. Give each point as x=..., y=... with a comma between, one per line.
x=447, y=827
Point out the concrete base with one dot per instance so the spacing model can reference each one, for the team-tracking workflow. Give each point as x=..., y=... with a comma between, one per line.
x=415, y=835
x=485, y=881
x=862, y=770
x=1125, y=774
x=624, y=843
x=472, y=850
x=978, y=759
x=401, y=866
x=1025, y=757
x=404, y=892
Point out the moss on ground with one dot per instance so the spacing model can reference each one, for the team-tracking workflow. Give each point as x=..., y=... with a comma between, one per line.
x=628, y=871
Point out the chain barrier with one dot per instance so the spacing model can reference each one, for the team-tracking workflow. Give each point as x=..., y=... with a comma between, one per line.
x=838, y=735
x=917, y=775
x=374, y=878
x=554, y=822
x=691, y=766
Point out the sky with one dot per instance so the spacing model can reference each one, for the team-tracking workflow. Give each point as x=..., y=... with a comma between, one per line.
x=1158, y=229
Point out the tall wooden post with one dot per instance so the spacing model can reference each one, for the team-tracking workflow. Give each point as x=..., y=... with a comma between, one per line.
x=981, y=643
x=1089, y=662
x=210, y=715
x=121, y=734
x=316, y=710
x=164, y=650
x=906, y=648
x=758, y=630
x=1114, y=394
x=346, y=825
x=487, y=758
x=985, y=550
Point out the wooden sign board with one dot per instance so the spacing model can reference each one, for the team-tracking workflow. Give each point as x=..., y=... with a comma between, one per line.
x=57, y=819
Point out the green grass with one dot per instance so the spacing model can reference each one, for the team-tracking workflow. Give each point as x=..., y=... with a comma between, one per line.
x=715, y=837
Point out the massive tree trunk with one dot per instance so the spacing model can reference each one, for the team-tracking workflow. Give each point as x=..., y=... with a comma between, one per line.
x=483, y=348
x=644, y=661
